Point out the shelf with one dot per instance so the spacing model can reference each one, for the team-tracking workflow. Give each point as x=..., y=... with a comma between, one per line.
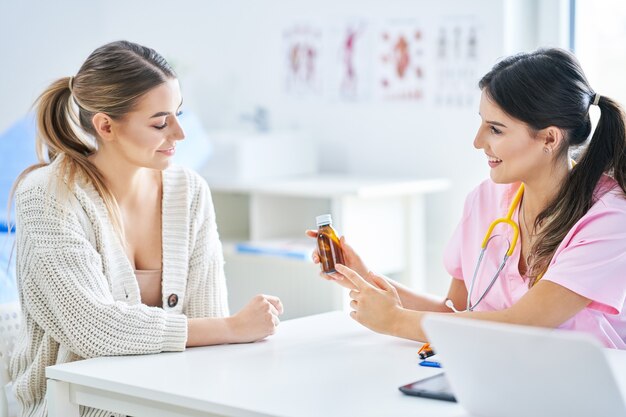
x=295, y=249
x=332, y=186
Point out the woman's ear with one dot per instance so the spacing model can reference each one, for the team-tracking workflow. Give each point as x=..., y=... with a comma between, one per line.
x=103, y=126
x=552, y=138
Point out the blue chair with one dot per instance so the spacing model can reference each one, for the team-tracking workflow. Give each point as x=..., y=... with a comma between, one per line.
x=8, y=289
x=17, y=152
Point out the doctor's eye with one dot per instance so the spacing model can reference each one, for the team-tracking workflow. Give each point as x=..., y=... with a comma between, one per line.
x=495, y=130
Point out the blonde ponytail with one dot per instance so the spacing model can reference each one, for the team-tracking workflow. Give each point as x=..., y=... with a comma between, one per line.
x=110, y=81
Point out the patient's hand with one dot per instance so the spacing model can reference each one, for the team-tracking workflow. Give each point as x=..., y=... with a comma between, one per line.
x=257, y=320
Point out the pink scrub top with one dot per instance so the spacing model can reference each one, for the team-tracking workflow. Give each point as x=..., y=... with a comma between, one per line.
x=591, y=259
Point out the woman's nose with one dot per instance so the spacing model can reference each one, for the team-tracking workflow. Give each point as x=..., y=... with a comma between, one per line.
x=478, y=140
x=178, y=133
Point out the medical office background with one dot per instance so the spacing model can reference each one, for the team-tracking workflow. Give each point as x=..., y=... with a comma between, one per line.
x=384, y=91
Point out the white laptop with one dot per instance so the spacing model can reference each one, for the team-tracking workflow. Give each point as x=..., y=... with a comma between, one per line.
x=503, y=370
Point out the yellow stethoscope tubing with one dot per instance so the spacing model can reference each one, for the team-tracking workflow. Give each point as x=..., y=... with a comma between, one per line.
x=506, y=220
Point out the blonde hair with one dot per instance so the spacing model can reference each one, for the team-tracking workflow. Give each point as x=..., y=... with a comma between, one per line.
x=110, y=81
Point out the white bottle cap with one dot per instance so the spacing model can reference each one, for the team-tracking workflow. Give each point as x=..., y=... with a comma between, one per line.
x=323, y=220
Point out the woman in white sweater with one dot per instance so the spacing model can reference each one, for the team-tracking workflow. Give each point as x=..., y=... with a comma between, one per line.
x=117, y=251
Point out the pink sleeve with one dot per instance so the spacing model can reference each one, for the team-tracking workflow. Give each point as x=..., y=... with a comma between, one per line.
x=591, y=261
x=453, y=252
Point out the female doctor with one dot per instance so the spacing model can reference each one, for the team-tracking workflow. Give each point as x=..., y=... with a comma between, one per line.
x=566, y=226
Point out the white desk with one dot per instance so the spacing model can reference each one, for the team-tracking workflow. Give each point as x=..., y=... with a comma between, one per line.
x=324, y=365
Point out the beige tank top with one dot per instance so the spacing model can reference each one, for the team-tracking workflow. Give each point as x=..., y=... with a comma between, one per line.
x=150, y=287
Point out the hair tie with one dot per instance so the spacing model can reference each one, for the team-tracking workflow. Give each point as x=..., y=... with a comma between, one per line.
x=596, y=99
x=69, y=84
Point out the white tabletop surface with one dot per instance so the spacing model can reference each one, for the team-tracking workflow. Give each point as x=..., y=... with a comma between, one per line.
x=324, y=365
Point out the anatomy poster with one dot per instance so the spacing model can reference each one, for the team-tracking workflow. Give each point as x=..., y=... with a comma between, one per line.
x=400, y=61
x=457, y=54
x=350, y=64
x=303, y=60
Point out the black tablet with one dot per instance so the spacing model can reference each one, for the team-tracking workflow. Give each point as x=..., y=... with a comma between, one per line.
x=435, y=387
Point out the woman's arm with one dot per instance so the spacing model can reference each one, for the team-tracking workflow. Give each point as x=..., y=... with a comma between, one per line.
x=412, y=300
x=206, y=302
x=379, y=308
x=255, y=321
x=546, y=304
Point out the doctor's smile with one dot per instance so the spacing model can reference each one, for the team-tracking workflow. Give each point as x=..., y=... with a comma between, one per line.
x=493, y=161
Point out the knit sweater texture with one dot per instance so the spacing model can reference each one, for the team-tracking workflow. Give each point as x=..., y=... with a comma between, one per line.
x=77, y=288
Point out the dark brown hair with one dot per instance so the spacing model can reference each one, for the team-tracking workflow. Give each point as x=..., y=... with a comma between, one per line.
x=548, y=88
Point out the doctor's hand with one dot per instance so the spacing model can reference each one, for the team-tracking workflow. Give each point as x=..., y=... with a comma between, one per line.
x=351, y=260
x=257, y=320
x=375, y=304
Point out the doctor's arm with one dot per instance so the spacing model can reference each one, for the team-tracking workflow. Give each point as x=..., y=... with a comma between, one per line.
x=412, y=300
x=379, y=307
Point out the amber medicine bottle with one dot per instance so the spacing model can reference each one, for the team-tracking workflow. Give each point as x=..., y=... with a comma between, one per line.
x=328, y=244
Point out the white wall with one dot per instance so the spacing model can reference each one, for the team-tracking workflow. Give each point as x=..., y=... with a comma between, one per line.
x=229, y=59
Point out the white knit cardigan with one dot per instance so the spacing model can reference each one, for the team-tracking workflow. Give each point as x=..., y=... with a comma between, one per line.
x=78, y=291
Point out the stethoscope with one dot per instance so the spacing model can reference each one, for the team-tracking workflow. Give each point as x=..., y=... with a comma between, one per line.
x=488, y=237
